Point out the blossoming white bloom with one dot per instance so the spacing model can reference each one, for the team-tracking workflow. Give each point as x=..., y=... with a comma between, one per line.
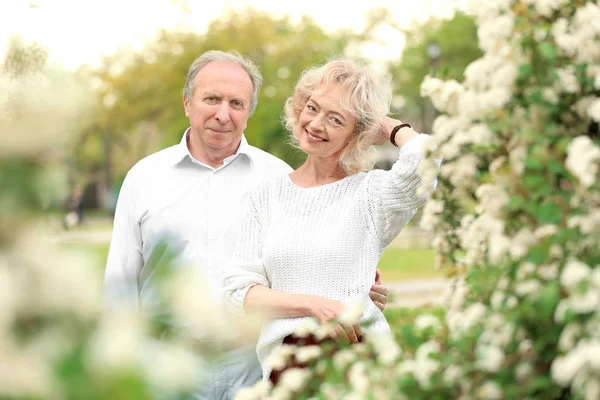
x=583, y=303
x=430, y=86
x=574, y=272
x=280, y=392
x=596, y=277
x=473, y=315
x=427, y=321
x=556, y=251
x=343, y=357
x=561, y=310
x=582, y=105
x=587, y=224
x=490, y=390
x=547, y=7
x=565, y=368
x=170, y=367
x=545, y=231
x=593, y=71
x=294, y=379
x=525, y=346
x=305, y=354
x=354, y=310
x=497, y=298
x=484, y=9
x=567, y=80
x=8, y=295
x=498, y=247
x=550, y=95
x=493, y=198
x=497, y=164
x=527, y=287
x=358, y=377
x=452, y=375
x=446, y=97
x=115, y=346
x=512, y=302
x=593, y=351
x=523, y=371
x=592, y=389
x=464, y=172
x=426, y=349
x=385, y=346
x=497, y=331
x=594, y=110
x=525, y=270
x=517, y=159
x=430, y=213
x=257, y=391
x=489, y=358
x=548, y=272
x=521, y=242
x=565, y=41
x=480, y=134
x=307, y=327
x=279, y=358
x=493, y=32
x=459, y=297
x=427, y=171
x=423, y=370
x=583, y=157
x=569, y=336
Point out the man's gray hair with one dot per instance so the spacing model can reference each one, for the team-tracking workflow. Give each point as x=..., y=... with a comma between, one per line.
x=229, y=57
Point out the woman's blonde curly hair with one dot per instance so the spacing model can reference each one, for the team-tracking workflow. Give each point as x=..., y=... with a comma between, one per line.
x=368, y=101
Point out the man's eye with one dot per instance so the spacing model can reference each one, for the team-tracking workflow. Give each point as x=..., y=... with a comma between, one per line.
x=238, y=105
x=211, y=99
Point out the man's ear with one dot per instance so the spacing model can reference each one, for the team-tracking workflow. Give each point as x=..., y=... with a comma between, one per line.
x=186, y=106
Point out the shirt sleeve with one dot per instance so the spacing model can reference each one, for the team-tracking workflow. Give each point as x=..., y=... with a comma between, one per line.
x=393, y=195
x=125, y=254
x=246, y=268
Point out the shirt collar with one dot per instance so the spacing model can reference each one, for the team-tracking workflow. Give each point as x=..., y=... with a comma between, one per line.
x=184, y=152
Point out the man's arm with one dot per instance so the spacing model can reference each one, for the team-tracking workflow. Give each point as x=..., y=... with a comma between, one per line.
x=125, y=254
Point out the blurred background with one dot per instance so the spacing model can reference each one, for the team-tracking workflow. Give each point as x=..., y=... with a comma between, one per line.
x=90, y=88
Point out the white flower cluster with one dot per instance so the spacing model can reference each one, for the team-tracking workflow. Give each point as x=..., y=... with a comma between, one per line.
x=581, y=36
x=583, y=160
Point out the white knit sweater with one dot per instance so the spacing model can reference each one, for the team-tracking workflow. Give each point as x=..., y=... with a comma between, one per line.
x=324, y=240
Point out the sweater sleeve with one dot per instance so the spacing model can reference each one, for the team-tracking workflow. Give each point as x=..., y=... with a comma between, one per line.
x=393, y=195
x=246, y=268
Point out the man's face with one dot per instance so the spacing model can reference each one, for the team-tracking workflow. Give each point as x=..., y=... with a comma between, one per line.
x=219, y=109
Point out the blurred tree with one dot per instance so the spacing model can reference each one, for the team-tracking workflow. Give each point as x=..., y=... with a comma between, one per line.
x=456, y=42
x=139, y=106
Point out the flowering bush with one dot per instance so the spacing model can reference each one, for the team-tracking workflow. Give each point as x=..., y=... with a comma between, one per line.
x=516, y=211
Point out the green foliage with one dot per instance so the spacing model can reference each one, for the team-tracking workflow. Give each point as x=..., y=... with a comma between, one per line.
x=457, y=40
x=140, y=104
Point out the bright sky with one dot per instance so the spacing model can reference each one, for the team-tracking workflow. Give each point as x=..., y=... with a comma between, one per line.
x=82, y=31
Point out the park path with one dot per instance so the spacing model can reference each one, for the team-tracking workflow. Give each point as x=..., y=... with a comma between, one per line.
x=406, y=293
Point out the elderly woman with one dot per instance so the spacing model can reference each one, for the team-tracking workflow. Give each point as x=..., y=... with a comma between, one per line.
x=310, y=241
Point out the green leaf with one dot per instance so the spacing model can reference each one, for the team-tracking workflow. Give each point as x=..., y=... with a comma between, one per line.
x=548, y=51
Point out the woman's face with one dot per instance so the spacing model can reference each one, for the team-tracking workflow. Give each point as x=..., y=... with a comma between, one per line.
x=325, y=127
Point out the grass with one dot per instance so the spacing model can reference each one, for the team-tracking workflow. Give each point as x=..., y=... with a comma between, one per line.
x=97, y=252
x=395, y=265
x=398, y=264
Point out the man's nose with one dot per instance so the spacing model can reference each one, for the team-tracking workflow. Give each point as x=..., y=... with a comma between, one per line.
x=223, y=113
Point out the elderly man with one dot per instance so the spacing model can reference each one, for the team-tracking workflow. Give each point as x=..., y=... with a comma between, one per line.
x=191, y=193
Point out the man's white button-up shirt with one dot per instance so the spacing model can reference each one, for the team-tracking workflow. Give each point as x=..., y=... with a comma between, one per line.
x=170, y=196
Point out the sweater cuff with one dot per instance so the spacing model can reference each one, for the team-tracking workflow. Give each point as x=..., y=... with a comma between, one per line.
x=415, y=144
